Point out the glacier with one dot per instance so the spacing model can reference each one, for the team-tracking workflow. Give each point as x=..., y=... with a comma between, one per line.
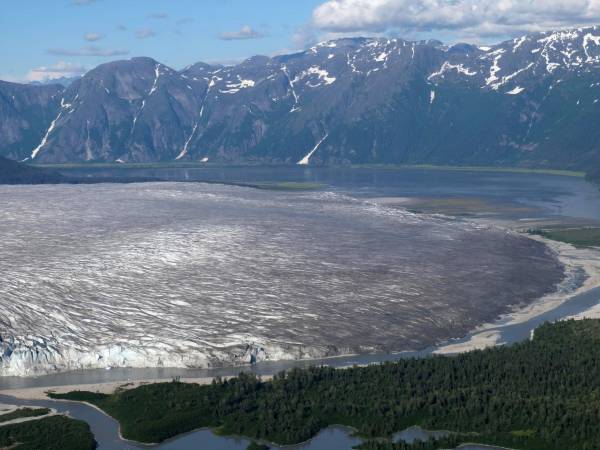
x=204, y=275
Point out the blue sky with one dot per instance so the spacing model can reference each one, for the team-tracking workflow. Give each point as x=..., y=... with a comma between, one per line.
x=52, y=33
x=49, y=38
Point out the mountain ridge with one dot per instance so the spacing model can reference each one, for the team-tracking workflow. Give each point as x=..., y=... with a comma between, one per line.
x=530, y=101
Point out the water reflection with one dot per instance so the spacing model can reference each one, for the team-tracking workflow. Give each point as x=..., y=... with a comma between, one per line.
x=106, y=432
x=549, y=195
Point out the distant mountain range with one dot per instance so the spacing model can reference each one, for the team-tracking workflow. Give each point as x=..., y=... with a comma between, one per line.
x=63, y=81
x=531, y=101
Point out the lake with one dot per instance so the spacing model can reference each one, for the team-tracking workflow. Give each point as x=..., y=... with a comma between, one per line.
x=531, y=194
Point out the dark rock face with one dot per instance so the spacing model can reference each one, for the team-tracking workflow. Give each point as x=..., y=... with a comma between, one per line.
x=135, y=110
x=25, y=113
x=527, y=101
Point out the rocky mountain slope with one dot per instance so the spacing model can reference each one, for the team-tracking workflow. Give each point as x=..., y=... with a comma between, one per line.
x=25, y=114
x=529, y=101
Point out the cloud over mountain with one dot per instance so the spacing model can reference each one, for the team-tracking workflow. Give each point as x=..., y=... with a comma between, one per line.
x=467, y=17
x=59, y=70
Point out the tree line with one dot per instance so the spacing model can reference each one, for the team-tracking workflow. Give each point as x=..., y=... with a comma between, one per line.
x=542, y=394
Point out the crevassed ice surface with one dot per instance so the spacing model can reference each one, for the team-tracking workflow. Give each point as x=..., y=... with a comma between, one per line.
x=197, y=275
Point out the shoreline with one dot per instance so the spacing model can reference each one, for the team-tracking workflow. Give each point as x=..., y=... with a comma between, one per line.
x=206, y=165
x=40, y=392
x=572, y=258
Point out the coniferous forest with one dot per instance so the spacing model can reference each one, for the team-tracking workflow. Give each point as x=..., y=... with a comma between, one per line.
x=543, y=394
x=51, y=433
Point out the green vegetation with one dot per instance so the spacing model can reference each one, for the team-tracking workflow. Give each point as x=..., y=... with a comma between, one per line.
x=23, y=412
x=579, y=237
x=542, y=394
x=52, y=433
x=255, y=446
x=568, y=173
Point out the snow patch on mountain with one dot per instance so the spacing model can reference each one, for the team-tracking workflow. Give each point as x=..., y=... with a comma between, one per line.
x=515, y=91
x=187, y=143
x=305, y=161
x=156, y=77
x=518, y=42
x=382, y=57
x=233, y=88
x=321, y=74
x=50, y=129
x=291, y=82
x=495, y=68
x=587, y=39
x=505, y=79
x=447, y=66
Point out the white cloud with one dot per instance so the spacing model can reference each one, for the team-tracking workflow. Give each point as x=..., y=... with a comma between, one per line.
x=92, y=37
x=58, y=70
x=87, y=51
x=158, y=15
x=145, y=33
x=246, y=32
x=185, y=21
x=304, y=37
x=464, y=17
